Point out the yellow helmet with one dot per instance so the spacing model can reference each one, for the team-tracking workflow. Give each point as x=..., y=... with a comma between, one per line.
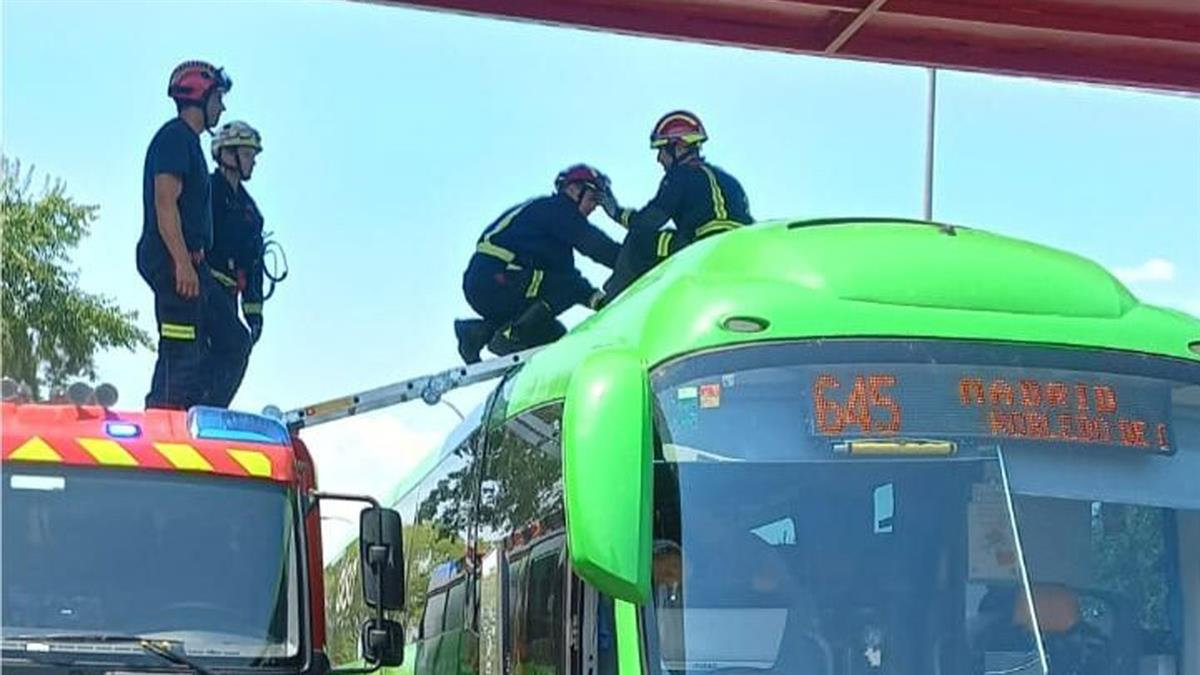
x=235, y=135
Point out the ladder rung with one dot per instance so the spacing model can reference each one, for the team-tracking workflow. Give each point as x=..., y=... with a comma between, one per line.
x=429, y=388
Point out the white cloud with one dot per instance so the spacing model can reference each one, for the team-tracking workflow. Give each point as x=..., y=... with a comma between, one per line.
x=370, y=454
x=1153, y=270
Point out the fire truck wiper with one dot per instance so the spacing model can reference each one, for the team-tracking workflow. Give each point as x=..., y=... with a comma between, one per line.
x=163, y=649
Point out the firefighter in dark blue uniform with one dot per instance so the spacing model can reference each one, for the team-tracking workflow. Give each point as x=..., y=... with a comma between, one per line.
x=236, y=260
x=700, y=199
x=523, y=274
x=177, y=233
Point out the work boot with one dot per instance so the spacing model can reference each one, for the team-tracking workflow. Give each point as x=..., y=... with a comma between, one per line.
x=472, y=335
x=535, y=327
x=504, y=342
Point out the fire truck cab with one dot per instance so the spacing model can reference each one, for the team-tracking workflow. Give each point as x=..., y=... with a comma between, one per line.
x=168, y=539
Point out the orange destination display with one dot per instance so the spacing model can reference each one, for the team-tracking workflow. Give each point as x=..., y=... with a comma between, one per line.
x=1021, y=403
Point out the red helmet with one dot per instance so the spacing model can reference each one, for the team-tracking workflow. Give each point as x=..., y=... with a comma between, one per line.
x=581, y=173
x=679, y=126
x=193, y=81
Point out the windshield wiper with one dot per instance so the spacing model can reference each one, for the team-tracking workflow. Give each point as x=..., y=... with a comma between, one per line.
x=163, y=649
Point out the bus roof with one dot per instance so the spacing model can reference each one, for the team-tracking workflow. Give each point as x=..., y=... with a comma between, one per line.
x=863, y=277
x=160, y=440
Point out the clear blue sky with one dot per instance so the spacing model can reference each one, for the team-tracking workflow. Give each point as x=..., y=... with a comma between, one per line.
x=393, y=136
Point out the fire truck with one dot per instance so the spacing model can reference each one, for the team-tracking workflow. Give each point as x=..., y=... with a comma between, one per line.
x=167, y=539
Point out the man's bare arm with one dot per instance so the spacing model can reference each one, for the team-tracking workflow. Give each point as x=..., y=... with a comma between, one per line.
x=167, y=188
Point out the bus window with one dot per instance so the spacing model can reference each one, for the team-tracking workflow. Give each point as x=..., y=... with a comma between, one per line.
x=898, y=463
x=543, y=596
x=513, y=631
x=491, y=648
x=1107, y=584
x=1188, y=525
x=455, y=605
x=435, y=608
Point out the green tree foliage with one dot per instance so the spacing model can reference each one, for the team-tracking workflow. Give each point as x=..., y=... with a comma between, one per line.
x=52, y=329
x=522, y=481
x=425, y=547
x=344, y=606
x=521, y=484
x=1131, y=559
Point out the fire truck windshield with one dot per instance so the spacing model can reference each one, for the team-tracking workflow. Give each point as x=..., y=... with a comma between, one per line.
x=211, y=563
x=914, y=507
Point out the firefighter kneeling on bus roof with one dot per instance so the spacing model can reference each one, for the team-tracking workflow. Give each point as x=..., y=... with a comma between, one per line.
x=701, y=200
x=236, y=259
x=523, y=274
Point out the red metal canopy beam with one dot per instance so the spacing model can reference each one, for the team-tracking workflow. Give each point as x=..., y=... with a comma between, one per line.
x=1116, y=21
x=1141, y=43
x=855, y=24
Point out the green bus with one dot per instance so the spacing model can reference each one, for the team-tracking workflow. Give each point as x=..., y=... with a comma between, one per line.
x=827, y=447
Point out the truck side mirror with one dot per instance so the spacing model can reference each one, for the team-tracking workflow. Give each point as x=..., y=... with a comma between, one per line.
x=381, y=552
x=382, y=643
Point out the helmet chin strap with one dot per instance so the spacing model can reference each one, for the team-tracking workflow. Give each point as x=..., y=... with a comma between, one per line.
x=208, y=124
x=236, y=166
x=203, y=106
x=237, y=157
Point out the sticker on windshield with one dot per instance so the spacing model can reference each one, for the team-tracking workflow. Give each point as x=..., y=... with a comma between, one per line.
x=44, y=483
x=710, y=396
x=992, y=552
x=687, y=393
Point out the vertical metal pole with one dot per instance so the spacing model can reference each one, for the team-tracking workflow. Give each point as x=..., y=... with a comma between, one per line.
x=930, y=128
x=1030, y=605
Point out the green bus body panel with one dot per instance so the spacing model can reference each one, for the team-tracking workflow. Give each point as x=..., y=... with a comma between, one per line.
x=629, y=639
x=862, y=278
x=607, y=448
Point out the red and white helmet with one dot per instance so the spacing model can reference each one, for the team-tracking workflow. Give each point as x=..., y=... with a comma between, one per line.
x=581, y=173
x=194, y=81
x=678, y=127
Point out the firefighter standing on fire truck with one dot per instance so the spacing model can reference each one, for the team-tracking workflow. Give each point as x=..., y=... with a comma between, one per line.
x=177, y=234
x=236, y=259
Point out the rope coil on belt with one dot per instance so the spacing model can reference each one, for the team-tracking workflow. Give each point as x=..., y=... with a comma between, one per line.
x=275, y=264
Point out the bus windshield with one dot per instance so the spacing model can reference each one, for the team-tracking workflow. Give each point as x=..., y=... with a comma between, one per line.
x=915, y=507
x=208, y=563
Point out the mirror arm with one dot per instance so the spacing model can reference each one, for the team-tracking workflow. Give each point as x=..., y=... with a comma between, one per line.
x=317, y=495
x=376, y=556
x=353, y=671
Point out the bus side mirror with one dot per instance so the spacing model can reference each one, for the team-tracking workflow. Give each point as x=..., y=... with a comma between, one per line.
x=608, y=448
x=381, y=553
x=382, y=643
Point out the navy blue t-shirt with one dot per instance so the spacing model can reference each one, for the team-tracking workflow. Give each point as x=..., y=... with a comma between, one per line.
x=175, y=149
